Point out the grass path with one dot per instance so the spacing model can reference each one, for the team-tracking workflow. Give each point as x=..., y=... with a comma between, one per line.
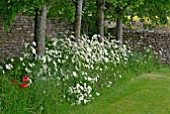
x=145, y=94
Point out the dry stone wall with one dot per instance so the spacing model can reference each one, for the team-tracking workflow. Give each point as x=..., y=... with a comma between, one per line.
x=158, y=40
x=22, y=31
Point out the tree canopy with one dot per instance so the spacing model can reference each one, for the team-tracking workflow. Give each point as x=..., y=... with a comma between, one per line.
x=156, y=11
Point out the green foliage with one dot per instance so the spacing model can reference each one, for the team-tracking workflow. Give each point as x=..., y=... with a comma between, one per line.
x=155, y=11
x=121, y=8
x=68, y=73
x=89, y=18
x=10, y=8
x=64, y=10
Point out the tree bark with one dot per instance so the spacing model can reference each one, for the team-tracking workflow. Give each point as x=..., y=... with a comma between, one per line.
x=43, y=29
x=100, y=19
x=36, y=28
x=40, y=28
x=77, y=22
x=119, y=30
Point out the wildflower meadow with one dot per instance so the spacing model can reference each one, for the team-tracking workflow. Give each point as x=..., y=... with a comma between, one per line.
x=67, y=74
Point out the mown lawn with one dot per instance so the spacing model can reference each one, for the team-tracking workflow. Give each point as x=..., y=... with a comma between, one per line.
x=145, y=94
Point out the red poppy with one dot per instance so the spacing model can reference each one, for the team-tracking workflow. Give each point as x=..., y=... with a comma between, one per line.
x=14, y=82
x=23, y=85
x=25, y=79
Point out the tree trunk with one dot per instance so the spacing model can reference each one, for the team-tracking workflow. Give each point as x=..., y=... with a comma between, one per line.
x=100, y=19
x=119, y=30
x=36, y=27
x=77, y=22
x=43, y=29
x=40, y=27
